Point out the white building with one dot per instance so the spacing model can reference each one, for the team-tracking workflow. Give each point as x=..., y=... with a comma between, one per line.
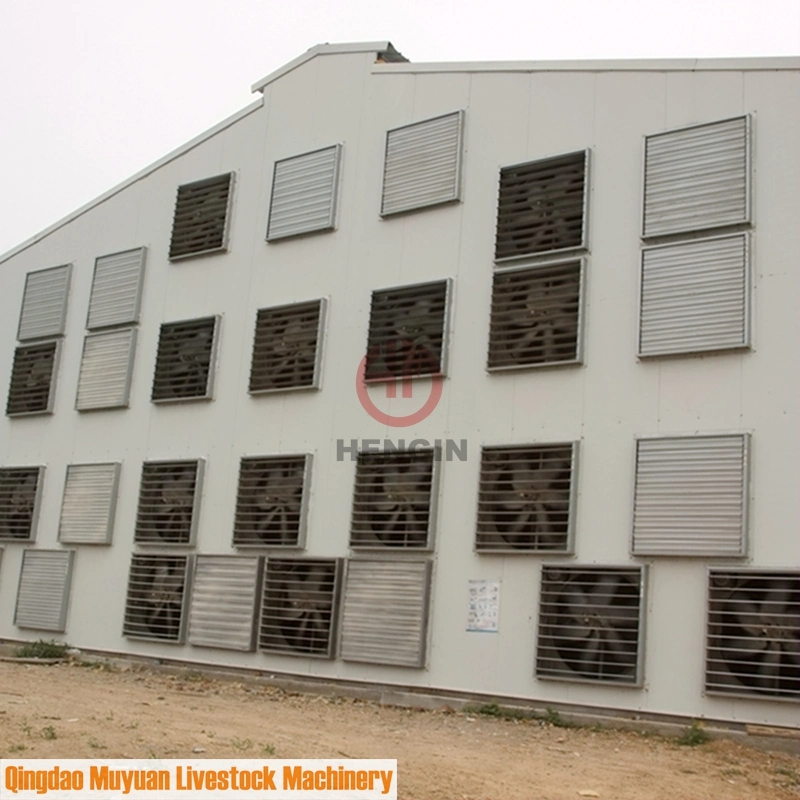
x=601, y=258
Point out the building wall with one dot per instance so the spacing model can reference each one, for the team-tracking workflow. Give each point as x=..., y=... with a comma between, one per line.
x=511, y=117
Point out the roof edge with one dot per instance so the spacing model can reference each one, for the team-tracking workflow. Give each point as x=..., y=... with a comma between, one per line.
x=381, y=49
x=771, y=63
x=179, y=151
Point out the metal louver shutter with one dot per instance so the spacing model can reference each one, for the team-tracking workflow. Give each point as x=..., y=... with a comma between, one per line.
x=304, y=190
x=185, y=360
x=33, y=379
x=200, y=225
x=694, y=296
x=20, y=493
x=116, y=289
x=753, y=628
x=691, y=496
x=385, y=613
x=90, y=497
x=697, y=178
x=44, y=304
x=44, y=585
x=423, y=164
x=223, y=605
x=106, y=366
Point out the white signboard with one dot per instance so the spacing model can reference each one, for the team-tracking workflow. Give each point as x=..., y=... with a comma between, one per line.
x=483, y=612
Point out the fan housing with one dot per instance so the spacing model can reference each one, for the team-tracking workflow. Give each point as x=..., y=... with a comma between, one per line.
x=169, y=499
x=32, y=379
x=185, y=360
x=155, y=599
x=19, y=501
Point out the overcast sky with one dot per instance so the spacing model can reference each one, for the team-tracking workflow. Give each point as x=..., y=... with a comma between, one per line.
x=92, y=91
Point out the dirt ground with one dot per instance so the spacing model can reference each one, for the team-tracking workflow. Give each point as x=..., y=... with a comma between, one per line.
x=78, y=711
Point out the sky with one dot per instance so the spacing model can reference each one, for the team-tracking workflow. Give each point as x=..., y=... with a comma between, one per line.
x=92, y=91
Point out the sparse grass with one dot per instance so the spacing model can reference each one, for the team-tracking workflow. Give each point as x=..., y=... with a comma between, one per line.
x=494, y=710
x=26, y=729
x=17, y=748
x=789, y=773
x=241, y=744
x=42, y=649
x=267, y=749
x=552, y=717
x=694, y=736
x=49, y=732
x=193, y=676
x=94, y=744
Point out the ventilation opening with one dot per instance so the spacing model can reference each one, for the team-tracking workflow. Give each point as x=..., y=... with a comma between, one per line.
x=30, y=391
x=524, y=501
x=154, y=605
x=286, y=347
x=535, y=317
x=754, y=634
x=406, y=332
x=19, y=488
x=167, y=502
x=270, y=501
x=541, y=207
x=201, y=212
x=184, y=360
x=589, y=625
x=392, y=505
x=299, y=606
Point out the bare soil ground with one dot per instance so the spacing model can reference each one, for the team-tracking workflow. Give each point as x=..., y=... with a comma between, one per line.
x=70, y=710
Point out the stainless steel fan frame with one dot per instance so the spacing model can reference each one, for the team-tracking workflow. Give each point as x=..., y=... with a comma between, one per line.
x=316, y=382
x=569, y=548
x=51, y=397
x=638, y=679
x=37, y=502
x=737, y=690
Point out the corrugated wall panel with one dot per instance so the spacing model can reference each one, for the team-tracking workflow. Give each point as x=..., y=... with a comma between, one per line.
x=106, y=370
x=44, y=304
x=697, y=178
x=691, y=496
x=423, y=164
x=304, y=192
x=116, y=289
x=44, y=584
x=385, y=612
x=223, y=607
x=694, y=296
x=87, y=511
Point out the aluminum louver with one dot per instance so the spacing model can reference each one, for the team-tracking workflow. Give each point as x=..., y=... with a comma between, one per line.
x=185, y=360
x=223, y=605
x=542, y=207
x=299, y=604
x=304, y=190
x=271, y=501
x=44, y=304
x=525, y=501
x=694, y=296
x=287, y=347
x=385, y=612
x=116, y=289
x=691, y=496
x=155, y=599
x=407, y=332
x=753, y=634
x=422, y=165
x=590, y=624
x=32, y=386
x=44, y=586
x=87, y=510
x=20, y=490
x=169, y=502
x=106, y=367
x=394, y=500
x=697, y=178
x=536, y=316
x=200, y=225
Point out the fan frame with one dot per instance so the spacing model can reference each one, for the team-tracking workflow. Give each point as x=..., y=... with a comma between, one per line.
x=433, y=505
x=112, y=506
x=569, y=547
x=126, y=387
x=137, y=300
x=66, y=589
x=332, y=651
x=305, y=500
x=736, y=691
x=51, y=397
x=212, y=362
x=587, y=189
x=544, y=643
x=187, y=591
x=531, y=265
x=37, y=502
x=196, y=500
x=318, y=355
